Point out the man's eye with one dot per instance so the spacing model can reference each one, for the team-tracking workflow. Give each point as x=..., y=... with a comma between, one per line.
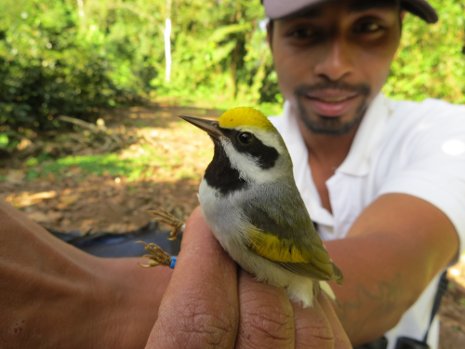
x=302, y=33
x=368, y=28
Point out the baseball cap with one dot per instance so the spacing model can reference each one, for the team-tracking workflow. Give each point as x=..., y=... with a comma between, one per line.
x=276, y=9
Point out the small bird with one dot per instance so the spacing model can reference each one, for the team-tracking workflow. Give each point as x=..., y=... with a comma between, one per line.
x=251, y=203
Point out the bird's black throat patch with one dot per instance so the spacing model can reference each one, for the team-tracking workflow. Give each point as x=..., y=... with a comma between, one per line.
x=220, y=174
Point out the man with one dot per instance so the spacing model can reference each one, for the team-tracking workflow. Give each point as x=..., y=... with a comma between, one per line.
x=384, y=181
x=376, y=176
x=386, y=176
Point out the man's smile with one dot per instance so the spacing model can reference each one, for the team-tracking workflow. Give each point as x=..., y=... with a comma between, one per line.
x=331, y=102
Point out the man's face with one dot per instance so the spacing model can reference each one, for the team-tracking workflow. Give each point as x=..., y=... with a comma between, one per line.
x=333, y=59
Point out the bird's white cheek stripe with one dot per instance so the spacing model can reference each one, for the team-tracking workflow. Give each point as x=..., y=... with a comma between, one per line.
x=247, y=166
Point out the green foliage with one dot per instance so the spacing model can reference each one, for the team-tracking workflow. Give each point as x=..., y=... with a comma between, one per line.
x=431, y=60
x=55, y=61
x=74, y=57
x=97, y=164
x=131, y=166
x=45, y=70
x=220, y=54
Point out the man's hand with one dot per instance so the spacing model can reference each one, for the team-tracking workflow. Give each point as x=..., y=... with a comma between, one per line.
x=209, y=303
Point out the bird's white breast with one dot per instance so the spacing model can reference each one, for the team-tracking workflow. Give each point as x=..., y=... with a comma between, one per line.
x=228, y=223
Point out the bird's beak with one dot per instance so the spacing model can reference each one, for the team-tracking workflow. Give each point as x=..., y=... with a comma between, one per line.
x=209, y=126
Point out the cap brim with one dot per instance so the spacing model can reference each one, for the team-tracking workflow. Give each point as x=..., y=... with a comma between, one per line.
x=283, y=9
x=422, y=9
x=278, y=9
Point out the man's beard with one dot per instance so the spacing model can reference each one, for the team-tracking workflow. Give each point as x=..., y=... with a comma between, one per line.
x=331, y=125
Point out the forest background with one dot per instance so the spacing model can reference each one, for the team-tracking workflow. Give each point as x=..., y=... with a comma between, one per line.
x=90, y=91
x=78, y=57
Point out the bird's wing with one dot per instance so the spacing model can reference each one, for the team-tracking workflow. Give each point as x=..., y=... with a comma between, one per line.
x=278, y=238
x=290, y=256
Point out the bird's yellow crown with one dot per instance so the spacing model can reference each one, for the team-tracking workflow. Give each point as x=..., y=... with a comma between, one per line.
x=243, y=117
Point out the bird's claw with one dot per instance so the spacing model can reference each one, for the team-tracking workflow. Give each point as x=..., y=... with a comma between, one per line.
x=156, y=255
x=177, y=225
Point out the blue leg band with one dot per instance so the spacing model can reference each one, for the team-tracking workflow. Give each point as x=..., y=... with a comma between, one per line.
x=173, y=262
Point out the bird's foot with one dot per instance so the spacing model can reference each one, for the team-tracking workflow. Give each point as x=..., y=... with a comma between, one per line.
x=177, y=225
x=156, y=256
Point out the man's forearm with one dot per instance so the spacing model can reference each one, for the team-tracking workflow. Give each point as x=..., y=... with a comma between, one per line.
x=373, y=296
x=391, y=254
x=55, y=295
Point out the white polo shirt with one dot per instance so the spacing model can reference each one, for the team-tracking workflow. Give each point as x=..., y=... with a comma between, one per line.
x=400, y=147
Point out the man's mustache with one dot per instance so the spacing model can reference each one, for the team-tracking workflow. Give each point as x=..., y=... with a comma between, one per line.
x=304, y=90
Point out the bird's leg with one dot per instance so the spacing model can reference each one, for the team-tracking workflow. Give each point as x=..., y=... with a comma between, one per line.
x=156, y=256
x=177, y=225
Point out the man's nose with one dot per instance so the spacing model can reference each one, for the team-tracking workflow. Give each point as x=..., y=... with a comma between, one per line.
x=335, y=61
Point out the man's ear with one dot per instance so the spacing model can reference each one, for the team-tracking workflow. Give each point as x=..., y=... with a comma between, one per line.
x=402, y=15
x=269, y=33
x=401, y=19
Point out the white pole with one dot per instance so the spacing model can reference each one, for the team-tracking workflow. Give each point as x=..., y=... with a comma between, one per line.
x=81, y=13
x=167, y=36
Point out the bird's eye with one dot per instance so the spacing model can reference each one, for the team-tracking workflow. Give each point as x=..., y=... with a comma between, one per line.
x=245, y=138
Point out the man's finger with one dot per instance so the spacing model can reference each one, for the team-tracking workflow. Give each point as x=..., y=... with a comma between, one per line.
x=319, y=327
x=313, y=330
x=200, y=306
x=341, y=339
x=266, y=316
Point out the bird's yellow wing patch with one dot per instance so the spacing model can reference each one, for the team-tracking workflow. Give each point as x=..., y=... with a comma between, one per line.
x=271, y=247
x=291, y=257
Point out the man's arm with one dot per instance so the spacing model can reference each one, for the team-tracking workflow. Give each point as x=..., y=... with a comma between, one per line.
x=392, y=251
x=57, y=296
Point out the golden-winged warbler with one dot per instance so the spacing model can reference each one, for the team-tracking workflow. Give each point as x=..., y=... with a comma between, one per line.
x=253, y=207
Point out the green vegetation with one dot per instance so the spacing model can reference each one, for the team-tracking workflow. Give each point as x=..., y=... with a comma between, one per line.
x=132, y=167
x=89, y=164
x=431, y=61
x=77, y=58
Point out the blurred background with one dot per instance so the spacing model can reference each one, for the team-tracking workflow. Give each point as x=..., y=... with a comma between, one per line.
x=73, y=57
x=90, y=91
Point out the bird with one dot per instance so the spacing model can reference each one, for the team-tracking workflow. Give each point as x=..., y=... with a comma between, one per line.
x=251, y=203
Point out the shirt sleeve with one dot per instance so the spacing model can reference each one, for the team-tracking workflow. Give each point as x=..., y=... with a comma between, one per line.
x=432, y=165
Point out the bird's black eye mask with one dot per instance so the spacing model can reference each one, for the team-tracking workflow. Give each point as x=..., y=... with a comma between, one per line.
x=246, y=142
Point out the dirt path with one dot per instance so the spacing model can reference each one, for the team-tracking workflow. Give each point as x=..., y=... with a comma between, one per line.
x=81, y=197
x=75, y=199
